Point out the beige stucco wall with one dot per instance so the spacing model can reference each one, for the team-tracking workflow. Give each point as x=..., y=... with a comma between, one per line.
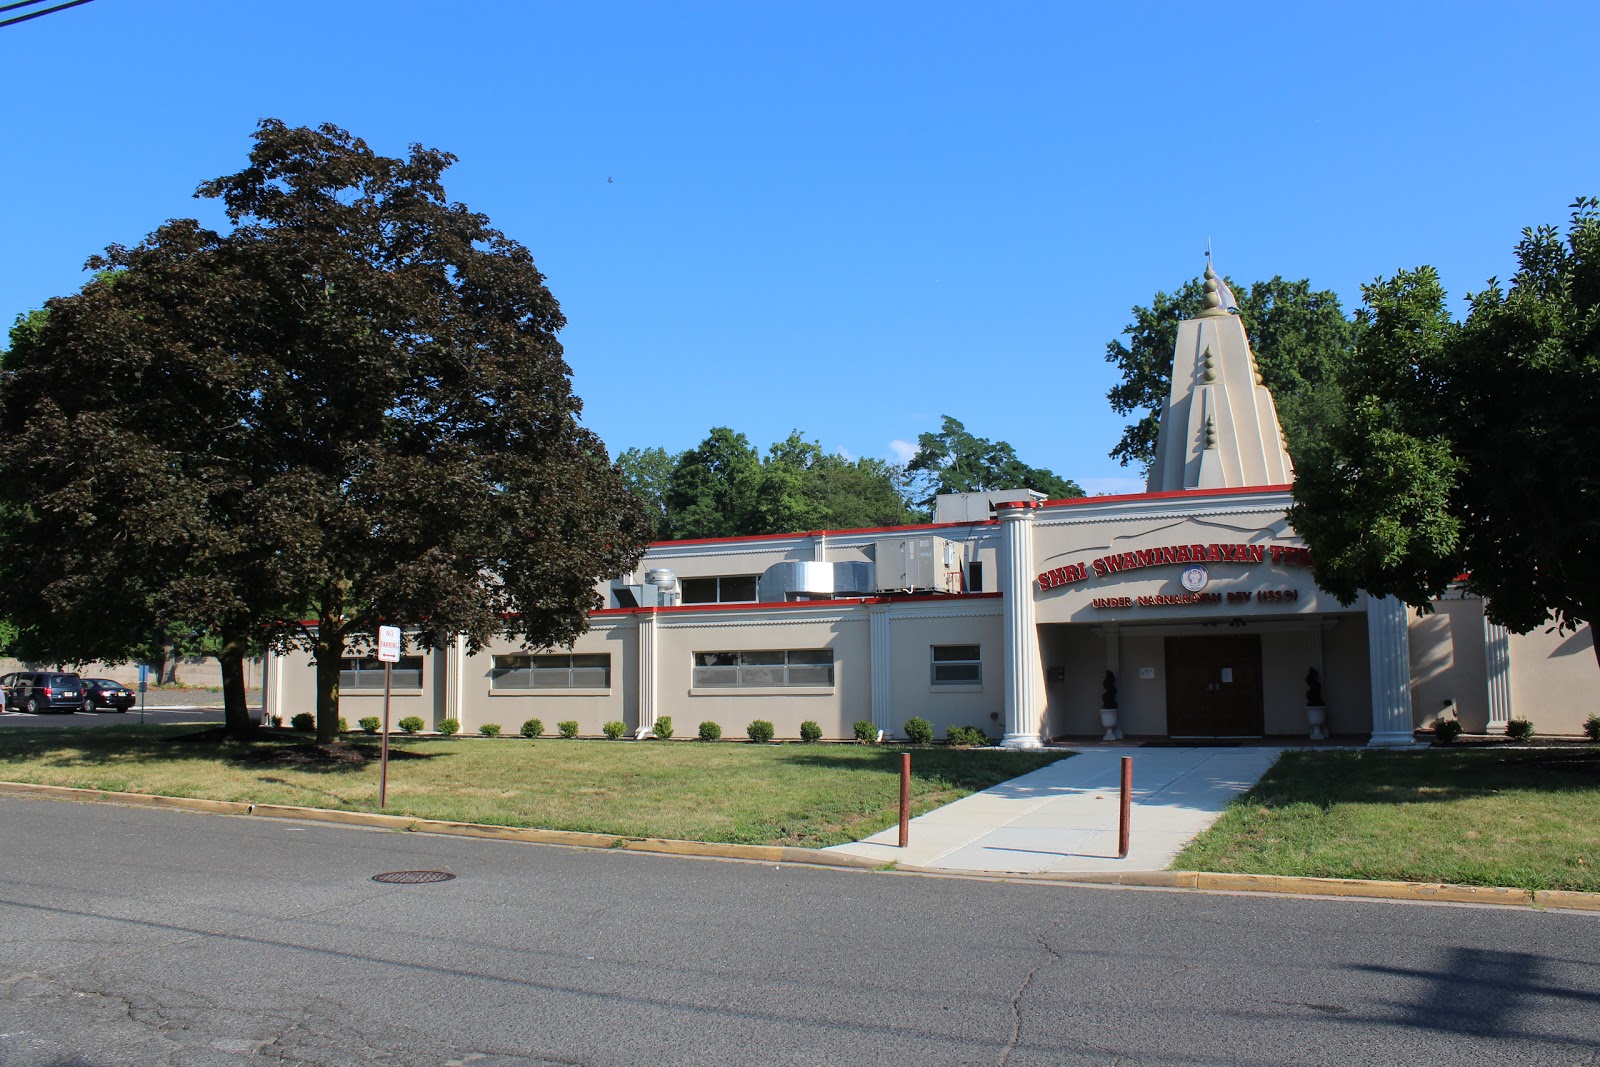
x=1447, y=663
x=1555, y=681
x=912, y=640
x=589, y=708
x=845, y=631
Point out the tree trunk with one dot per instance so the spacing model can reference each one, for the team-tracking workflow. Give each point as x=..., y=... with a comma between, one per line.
x=235, y=708
x=168, y=674
x=329, y=655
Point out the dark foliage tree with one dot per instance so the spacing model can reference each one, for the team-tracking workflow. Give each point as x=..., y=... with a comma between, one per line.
x=1468, y=447
x=350, y=408
x=1300, y=336
x=955, y=461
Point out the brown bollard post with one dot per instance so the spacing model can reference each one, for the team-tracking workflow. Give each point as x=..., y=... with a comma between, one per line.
x=905, y=799
x=1127, y=807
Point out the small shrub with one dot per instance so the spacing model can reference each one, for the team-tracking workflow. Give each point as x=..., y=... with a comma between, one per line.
x=919, y=731
x=1445, y=731
x=369, y=723
x=759, y=731
x=810, y=731
x=344, y=727
x=449, y=728
x=1591, y=727
x=305, y=722
x=490, y=729
x=1519, y=729
x=411, y=724
x=663, y=727
x=710, y=731
x=532, y=728
x=866, y=733
x=614, y=730
x=963, y=736
x=569, y=729
x=277, y=720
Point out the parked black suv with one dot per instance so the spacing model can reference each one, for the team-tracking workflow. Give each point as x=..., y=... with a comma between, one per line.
x=42, y=691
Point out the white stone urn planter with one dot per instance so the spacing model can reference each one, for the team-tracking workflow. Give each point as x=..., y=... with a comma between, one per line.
x=1108, y=719
x=1317, y=719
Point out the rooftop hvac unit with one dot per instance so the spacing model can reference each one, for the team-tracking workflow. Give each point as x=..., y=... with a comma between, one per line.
x=814, y=580
x=919, y=565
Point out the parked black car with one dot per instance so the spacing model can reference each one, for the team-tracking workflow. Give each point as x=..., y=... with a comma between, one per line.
x=104, y=693
x=42, y=691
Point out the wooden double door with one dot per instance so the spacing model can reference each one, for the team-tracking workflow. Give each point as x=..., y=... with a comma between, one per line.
x=1214, y=686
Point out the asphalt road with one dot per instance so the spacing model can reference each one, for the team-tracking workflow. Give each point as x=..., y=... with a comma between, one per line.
x=132, y=936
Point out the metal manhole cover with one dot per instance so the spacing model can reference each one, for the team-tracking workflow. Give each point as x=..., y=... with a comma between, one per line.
x=413, y=877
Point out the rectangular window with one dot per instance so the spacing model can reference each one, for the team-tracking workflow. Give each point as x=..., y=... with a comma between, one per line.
x=975, y=577
x=733, y=589
x=957, y=665
x=781, y=667
x=366, y=672
x=560, y=671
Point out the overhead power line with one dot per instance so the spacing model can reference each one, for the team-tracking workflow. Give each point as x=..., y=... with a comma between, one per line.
x=36, y=14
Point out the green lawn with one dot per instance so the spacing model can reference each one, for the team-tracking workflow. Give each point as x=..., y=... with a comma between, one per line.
x=1527, y=818
x=808, y=795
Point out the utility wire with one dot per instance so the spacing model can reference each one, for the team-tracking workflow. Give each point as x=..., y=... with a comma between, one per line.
x=37, y=14
x=19, y=3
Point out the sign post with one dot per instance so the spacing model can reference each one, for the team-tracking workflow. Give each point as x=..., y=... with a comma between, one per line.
x=389, y=655
x=144, y=683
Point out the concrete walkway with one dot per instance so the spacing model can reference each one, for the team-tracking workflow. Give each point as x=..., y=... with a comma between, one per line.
x=1063, y=818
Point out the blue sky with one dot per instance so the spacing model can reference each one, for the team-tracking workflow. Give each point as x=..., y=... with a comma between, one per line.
x=843, y=218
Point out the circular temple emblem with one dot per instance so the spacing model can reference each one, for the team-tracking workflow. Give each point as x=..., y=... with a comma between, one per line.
x=1195, y=578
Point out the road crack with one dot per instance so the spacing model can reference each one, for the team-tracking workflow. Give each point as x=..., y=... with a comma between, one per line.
x=1043, y=939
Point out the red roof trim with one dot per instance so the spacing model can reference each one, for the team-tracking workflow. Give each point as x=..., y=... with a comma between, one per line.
x=814, y=533
x=1074, y=501
x=1171, y=494
x=849, y=603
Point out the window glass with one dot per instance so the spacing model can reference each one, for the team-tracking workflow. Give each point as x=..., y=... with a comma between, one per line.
x=740, y=587
x=765, y=668
x=559, y=671
x=699, y=590
x=957, y=665
x=366, y=672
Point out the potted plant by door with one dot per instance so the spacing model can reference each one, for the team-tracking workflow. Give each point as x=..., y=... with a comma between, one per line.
x=1316, y=711
x=1108, y=708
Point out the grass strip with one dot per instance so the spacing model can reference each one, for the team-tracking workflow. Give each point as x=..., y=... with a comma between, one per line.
x=789, y=794
x=1526, y=818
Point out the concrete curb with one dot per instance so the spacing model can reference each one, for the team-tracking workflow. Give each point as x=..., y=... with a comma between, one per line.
x=1283, y=885
x=570, y=838
x=1295, y=885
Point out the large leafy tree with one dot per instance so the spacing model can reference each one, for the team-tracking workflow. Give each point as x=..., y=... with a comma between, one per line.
x=1300, y=336
x=349, y=408
x=1467, y=448
x=954, y=460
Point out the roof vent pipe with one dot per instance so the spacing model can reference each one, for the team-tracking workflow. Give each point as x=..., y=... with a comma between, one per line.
x=666, y=584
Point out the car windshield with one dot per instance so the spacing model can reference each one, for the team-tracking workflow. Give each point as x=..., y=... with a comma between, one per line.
x=62, y=679
x=104, y=683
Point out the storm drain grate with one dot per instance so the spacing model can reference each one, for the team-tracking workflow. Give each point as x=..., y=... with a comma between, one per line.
x=413, y=877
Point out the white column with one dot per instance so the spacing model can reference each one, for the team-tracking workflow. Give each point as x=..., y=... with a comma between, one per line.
x=647, y=673
x=1497, y=668
x=882, y=668
x=1021, y=632
x=456, y=674
x=273, y=698
x=1389, y=649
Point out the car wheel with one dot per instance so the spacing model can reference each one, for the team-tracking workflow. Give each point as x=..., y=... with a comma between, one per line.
x=36, y=705
x=88, y=705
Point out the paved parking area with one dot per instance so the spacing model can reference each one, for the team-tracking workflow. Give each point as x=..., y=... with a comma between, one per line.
x=21, y=720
